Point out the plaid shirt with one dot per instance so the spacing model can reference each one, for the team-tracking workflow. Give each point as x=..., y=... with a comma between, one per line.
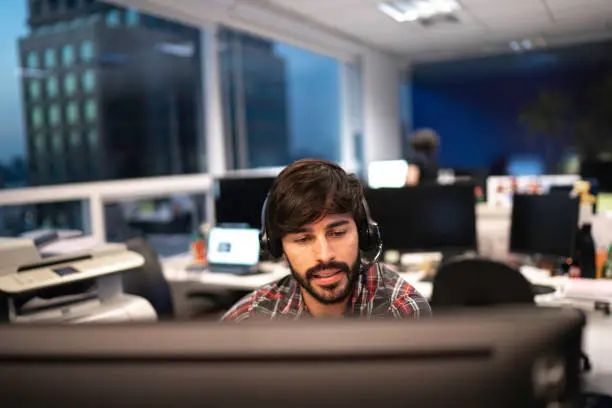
x=379, y=293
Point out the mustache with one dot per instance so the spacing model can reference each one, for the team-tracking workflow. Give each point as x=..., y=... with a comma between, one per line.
x=329, y=265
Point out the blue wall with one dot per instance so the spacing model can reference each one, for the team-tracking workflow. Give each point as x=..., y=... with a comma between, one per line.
x=475, y=104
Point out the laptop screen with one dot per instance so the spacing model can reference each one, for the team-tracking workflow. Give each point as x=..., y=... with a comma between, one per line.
x=233, y=246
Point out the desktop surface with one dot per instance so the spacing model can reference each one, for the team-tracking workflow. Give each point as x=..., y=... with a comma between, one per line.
x=478, y=359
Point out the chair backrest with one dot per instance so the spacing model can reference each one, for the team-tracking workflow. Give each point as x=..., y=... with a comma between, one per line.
x=477, y=282
x=148, y=281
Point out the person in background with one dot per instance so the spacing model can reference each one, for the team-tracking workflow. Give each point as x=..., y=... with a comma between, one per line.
x=422, y=163
x=315, y=217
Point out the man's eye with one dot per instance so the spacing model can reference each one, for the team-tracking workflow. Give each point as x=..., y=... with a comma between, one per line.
x=301, y=240
x=338, y=234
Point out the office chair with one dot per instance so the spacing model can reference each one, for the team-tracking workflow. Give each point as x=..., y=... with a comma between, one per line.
x=148, y=281
x=478, y=282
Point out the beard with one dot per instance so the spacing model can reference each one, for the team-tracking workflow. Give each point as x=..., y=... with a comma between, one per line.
x=334, y=293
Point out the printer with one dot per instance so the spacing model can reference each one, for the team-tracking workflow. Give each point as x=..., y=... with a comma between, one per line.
x=80, y=287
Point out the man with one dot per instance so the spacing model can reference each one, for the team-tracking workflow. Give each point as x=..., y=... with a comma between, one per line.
x=423, y=167
x=316, y=219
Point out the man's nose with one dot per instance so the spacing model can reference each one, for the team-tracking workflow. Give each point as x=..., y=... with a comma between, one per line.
x=324, y=251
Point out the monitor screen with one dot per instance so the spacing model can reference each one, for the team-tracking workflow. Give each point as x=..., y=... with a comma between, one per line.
x=526, y=165
x=240, y=200
x=482, y=359
x=435, y=218
x=544, y=224
x=233, y=246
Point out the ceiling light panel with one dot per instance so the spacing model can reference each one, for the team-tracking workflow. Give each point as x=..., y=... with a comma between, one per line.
x=414, y=10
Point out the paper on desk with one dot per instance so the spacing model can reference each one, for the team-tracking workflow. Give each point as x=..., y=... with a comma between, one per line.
x=595, y=289
x=67, y=246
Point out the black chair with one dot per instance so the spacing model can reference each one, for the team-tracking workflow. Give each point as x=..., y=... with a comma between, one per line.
x=148, y=281
x=478, y=282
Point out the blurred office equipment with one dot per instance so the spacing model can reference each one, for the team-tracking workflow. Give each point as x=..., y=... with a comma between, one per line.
x=601, y=170
x=148, y=280
x=501, y=189
x=82, y=287
x=525, y=165
x=427, y=218
x=544, y=225
x=44, y=237
x=505, y=358
x=479, y=282
x=387, y=173
x=240, y=200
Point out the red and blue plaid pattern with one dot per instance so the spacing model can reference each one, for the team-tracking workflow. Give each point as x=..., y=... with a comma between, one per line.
x=380, y=293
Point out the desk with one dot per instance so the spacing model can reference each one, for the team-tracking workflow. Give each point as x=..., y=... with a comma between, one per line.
x=175, y=270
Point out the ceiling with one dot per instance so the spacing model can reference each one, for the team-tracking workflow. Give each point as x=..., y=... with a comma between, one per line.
x=485, y=27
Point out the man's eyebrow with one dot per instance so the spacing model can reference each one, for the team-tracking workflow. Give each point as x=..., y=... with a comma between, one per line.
x=336, y=224
x=300, y=230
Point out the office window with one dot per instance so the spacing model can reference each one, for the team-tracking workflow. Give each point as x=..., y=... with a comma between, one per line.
x=50, y=58
x=37, y=118
x=34, y=89
x=132, y=17
x=53, y=5
x=39, y=143
x=94, y=18
x=92, y=139
x=78, y=23
x=67, y=55
x=72, y=113
x=87, y=51
x=52, y=87
x=91, y=111
x=89, y=80
x=60, y=27
x=56, y=141
x=36, y=7
x=54, y=115
x=60, y=70
x=70, y=84
x=113, y=18
x=32, y=60
x=282, y=102
x=74, y=139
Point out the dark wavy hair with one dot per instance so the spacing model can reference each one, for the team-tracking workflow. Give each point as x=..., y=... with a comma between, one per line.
x=308, y=190
x=425, y=141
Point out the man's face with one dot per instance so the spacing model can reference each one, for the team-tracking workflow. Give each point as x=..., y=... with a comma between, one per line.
x=324, y=257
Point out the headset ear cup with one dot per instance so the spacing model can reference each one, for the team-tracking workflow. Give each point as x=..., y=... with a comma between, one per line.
x=365, y=238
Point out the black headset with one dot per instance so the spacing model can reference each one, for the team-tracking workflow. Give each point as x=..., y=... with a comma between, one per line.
x=370, y=241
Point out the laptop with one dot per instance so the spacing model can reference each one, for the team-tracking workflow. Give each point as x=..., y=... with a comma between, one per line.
x=233, y=250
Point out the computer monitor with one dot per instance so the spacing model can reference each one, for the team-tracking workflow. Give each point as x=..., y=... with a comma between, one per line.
x=240, y=200
x=502, y=359
x=427, y=218
x=544, y=224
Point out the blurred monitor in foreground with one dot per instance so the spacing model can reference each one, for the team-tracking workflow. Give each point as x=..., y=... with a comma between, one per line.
x=387, y=174
x=502, y=359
